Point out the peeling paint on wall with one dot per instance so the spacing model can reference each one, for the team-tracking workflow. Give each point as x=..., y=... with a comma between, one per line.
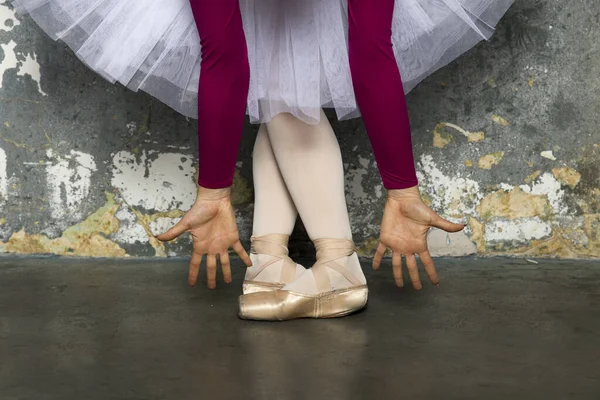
x=516, y=158
x=514, y=204
x=130, y=231
x=25, y=64
x=86, y=239
x=567, y=176
x=548, y=154
x=10, y=59
x=532, y=219
x=8, y=18
x=457, y=195
x=521, y=230
x=30, y=67
x=548, y=186
x=489, y=160
x=69, y=181
x=155, y=181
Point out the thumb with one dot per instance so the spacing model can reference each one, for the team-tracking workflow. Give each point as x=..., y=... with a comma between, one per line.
x=446, y=225
x=180, y=228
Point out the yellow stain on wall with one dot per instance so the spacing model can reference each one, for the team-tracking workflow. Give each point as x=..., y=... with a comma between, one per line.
x=475, y=136
x=146, y=220
x=487, y=161
x=477, y=234
x=514, y=204
x=441, y=138
x=87, y=239
x=556, y=246
x=499, y=120
x=567, y=176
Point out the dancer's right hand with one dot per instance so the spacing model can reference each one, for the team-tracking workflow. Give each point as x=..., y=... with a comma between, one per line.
x=211, y=222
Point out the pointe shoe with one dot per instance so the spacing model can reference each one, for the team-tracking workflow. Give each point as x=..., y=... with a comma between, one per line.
x=283, y=305
x=274, y=245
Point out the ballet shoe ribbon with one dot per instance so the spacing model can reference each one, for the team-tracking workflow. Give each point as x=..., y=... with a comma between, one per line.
x=273, y=245
x=328, y=251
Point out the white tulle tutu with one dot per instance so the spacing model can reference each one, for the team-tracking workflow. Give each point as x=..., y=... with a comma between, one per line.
x=297, y=48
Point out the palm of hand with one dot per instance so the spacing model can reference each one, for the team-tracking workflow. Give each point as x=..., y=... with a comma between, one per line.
x=213, y=228
x=405, y=226
x=406, y=222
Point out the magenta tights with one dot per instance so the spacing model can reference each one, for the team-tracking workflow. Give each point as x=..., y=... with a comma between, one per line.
x=225, y=76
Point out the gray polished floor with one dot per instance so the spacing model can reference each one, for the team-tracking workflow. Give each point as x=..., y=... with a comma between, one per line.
x=107, y=329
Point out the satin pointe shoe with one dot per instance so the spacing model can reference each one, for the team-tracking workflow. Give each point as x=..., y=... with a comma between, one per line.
x=329, y=302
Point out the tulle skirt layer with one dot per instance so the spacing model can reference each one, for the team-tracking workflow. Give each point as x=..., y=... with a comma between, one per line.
x=297, y=48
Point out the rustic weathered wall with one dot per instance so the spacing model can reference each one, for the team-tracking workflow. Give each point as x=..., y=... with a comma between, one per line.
x=506, y=139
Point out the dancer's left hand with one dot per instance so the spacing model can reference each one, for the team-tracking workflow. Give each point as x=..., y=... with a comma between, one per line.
x=406, y=221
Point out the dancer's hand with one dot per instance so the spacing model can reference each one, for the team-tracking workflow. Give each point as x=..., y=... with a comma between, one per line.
x=211, y=222
x=406, y=221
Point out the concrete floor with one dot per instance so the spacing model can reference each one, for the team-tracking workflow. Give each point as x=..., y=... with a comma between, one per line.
x=109, y=329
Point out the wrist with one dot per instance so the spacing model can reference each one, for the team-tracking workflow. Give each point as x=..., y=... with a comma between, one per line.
x=399, y=194
x=213, y=194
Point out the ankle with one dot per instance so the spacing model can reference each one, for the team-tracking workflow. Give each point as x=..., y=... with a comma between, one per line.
x=329, y=249
x=275, y=244
x=353, y=261
x=265, y=268
x=259, y=259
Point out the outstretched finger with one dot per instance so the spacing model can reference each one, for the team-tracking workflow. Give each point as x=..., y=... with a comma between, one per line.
x=225, y=266
x=413, y=271
x=429, y=267
x=379, y=253
x=446, y=225
x=194, y=268
x=239, y=249
x=179, y=229
x=397, y=268
x=211, y=271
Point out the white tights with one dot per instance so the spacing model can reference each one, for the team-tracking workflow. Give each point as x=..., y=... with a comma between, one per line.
x=298, y=169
